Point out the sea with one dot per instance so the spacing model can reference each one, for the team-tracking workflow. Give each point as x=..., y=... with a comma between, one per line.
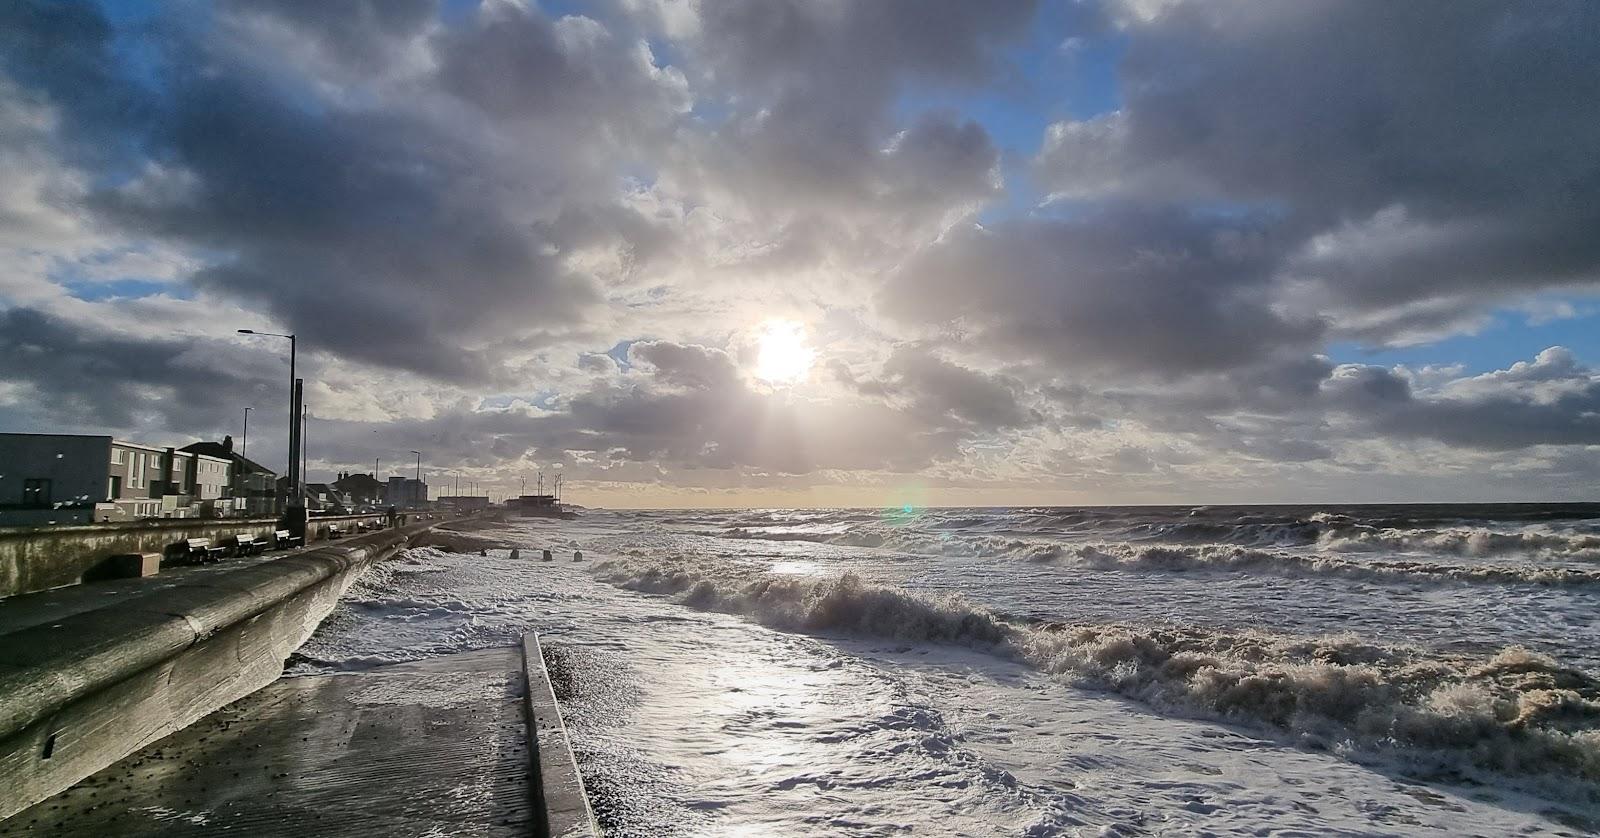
x=1040, y=671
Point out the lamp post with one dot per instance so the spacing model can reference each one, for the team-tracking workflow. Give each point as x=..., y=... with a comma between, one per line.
x=294, y=419
x=419, y=470
x=244, y=448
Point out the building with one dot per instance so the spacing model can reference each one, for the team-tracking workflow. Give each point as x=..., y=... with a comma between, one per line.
x=251, y=486
x=464, y=503
x=325, y=498
x=77, y=478
x=319, y=497
x=362, y=489
x=406, y=493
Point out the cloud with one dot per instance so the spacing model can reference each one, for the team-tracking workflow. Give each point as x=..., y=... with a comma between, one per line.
x=117, y=380
x=1144, y=291
x=1552, y=400
x=393, y=226
x=509, y=235
x=1454, y=173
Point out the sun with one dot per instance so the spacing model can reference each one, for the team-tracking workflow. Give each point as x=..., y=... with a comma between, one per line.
x=783, y=356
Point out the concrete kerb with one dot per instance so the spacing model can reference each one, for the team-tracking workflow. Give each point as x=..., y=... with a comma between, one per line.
x=49, y=671
x=561, y=808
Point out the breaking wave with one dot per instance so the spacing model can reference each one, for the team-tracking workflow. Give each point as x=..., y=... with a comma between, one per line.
x=1516, y=712
x=1329, y=560
x=1464, y=542
x=1179, y=559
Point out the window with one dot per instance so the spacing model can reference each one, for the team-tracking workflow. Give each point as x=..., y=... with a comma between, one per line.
x=36, y=493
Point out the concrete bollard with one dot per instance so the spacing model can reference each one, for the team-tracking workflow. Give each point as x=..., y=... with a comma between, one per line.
x=134, y=565
x=515, y=554
x=577, y=555
x=548, y=557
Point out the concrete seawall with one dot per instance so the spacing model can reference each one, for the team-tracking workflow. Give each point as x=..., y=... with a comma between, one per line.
x=39, y=558
x=560, y=805
x=79, y=693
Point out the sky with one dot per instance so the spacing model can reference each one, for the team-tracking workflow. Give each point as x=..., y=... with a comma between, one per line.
x=820, y=252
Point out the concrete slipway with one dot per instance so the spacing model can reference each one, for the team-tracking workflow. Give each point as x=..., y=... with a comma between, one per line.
x=121, y=689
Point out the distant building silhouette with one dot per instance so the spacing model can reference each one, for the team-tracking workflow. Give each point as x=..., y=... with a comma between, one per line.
x=406, y=493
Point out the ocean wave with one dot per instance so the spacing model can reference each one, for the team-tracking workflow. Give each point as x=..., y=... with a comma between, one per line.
x=1244, y=559
x=1464, y=541
x=1516, y=712
x=906, y=541
x=1164, y=557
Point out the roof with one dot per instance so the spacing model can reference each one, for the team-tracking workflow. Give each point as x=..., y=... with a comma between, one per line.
x=215, y=449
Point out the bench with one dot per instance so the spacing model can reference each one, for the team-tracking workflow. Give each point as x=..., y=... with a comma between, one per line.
x=283, y=539
x=248, y=545
x=335, y=531
x=366, y=526
x=199, y=549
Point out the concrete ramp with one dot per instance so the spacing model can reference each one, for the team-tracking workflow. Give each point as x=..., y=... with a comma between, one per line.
x=437, y=747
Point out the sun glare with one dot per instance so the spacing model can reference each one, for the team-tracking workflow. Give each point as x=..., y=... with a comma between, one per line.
x=784, y=356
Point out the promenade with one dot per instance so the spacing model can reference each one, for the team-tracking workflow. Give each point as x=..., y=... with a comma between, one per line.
x=155, y=706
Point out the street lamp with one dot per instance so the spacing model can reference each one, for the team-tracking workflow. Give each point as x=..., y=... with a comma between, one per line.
x=244, y=449
x=294, y=421
x=419, y=471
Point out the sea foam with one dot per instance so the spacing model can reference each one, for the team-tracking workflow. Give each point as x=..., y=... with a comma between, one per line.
x=1516, y=712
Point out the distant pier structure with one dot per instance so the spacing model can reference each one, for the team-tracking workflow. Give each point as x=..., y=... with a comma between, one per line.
x=541, y=506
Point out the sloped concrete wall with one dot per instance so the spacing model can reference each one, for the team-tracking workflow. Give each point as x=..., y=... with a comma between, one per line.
x=79, y=694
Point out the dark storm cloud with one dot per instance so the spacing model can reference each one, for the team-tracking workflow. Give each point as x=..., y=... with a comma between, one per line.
x=1165, y=291
x=394, y=227
x=1292, y=411
x=944, y=392
x=811, y=87
x=361, y=35
x=1422, y=150
x=119, y=380
x=1490, y=412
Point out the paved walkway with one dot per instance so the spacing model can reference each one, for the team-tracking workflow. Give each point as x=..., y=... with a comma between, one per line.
x=32, y=609
x=436, y=747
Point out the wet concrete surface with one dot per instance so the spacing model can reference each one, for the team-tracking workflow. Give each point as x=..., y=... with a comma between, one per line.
x=435, y=747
